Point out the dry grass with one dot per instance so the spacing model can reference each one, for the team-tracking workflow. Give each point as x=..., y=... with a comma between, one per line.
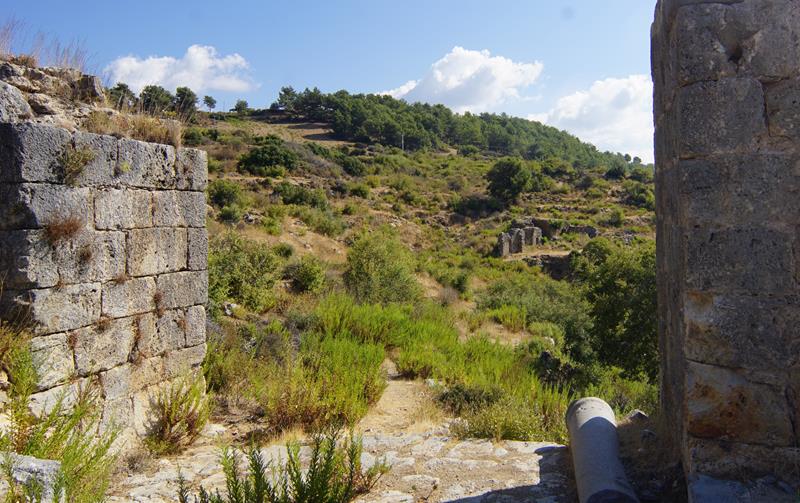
x=121, y=278
x=74, y=160
x=57, y=232
x=136, y=126
x=158, y=300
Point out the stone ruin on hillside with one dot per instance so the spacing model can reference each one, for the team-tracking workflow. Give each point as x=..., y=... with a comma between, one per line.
x=727, y=88
x=520, y=234
x=103, y=252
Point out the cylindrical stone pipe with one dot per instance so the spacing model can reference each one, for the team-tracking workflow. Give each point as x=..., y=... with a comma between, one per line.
x=593, y=440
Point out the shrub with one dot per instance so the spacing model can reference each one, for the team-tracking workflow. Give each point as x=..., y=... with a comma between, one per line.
x=231, y=214
x=295, y=194
x=283, y=250
x=508, y=178
x=334, y=475
x=307, y=275
x=616, y=218
x=322, y=221
x=352, y=166
x=511, y=317
x=181, y=412
x=72, y=436
x=242, y=271
x=225, y=193
x=73, y=161
x=359, y=190
x=380, y=270
x=639, y=194
x=271, y=158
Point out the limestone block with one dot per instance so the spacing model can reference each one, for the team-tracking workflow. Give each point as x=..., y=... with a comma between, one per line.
x=104, y=345
x=171, y=330
x=91, y=257
x=195, y=325
x=183, y=289
x=184, y=360
x=198, y=249
x=101, y=170
x=503, y=247
x=13, y=107
x=720, y=458
x=191, y=169
x=721, y=404
x=123, y=208
x=53, y=360
x=134, y=296
x=42, y=473
x=44, y=402
x=740, y=331
x=30, y=152
x=156, y=250
x=782, y=110
x=749, y=260
x=35, y=205
x=720, y=116
x=52, y=310
x=26, y=260
x=176, y=208
x=517, y=240
x=117, y=414
x=147, y=165
x=124, y=380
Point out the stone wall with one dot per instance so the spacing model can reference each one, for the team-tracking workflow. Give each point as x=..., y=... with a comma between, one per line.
x=106, y=264
x=727, y=88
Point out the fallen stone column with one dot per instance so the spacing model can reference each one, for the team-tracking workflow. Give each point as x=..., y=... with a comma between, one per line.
x=599, y=475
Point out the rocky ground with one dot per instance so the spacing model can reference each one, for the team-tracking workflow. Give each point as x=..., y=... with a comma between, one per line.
x=427, y=463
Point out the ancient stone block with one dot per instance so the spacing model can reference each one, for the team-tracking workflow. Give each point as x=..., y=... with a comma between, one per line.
x=183, y=289
x=31, y=152
x=52, y=310
x=104, y=345
x=123, y=209
x=517, y=240
x=67, y=394
x=782, y=111
x=129, y=297
x=101, y=169
x=27, y=260
x=182, y=361
x=198, y=249
x=720, y=116
x=195, y=326
x=176, y=208
x=721, y=404
x=753, y=260
x=36, y=205
x=91, y=257
x=191, y=169
x=148, y=165
x=171, y=329
x=740, y=331
x=53, y=360
x=156, y=250
x=13, y=107
x=503, y=246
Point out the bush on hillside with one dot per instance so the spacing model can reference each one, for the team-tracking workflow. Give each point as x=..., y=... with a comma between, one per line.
x=508, y=178
x=380, y=270
x=306, y=275
x=270, y=159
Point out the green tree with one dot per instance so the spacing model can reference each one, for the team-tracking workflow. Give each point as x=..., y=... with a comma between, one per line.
x=287, y=98
x=380, y=269
x=241, y=107
x=209, y=102
x=122, y=97
x=155, y=99
x=508, y=178
x=185, y=103
x=620, y=285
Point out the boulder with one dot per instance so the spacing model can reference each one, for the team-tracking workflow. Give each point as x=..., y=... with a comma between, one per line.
x=13, y=107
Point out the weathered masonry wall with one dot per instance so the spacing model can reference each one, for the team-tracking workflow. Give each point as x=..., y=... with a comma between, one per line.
x=108, y=266
x=727, y=111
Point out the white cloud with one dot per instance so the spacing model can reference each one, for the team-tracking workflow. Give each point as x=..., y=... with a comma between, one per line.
x=473, y=81
x=201, y=69
x=614, y=114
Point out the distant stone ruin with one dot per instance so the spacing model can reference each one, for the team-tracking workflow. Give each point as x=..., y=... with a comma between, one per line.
x=103, y=252
x=521, y=234
x=727, y=88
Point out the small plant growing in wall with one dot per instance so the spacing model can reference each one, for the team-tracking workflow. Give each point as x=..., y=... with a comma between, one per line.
x=158, y=300
x=180, y=411
x=59, y=231
x=73, y=161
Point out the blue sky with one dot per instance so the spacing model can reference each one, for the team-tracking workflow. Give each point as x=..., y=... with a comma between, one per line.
x=581, y=65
